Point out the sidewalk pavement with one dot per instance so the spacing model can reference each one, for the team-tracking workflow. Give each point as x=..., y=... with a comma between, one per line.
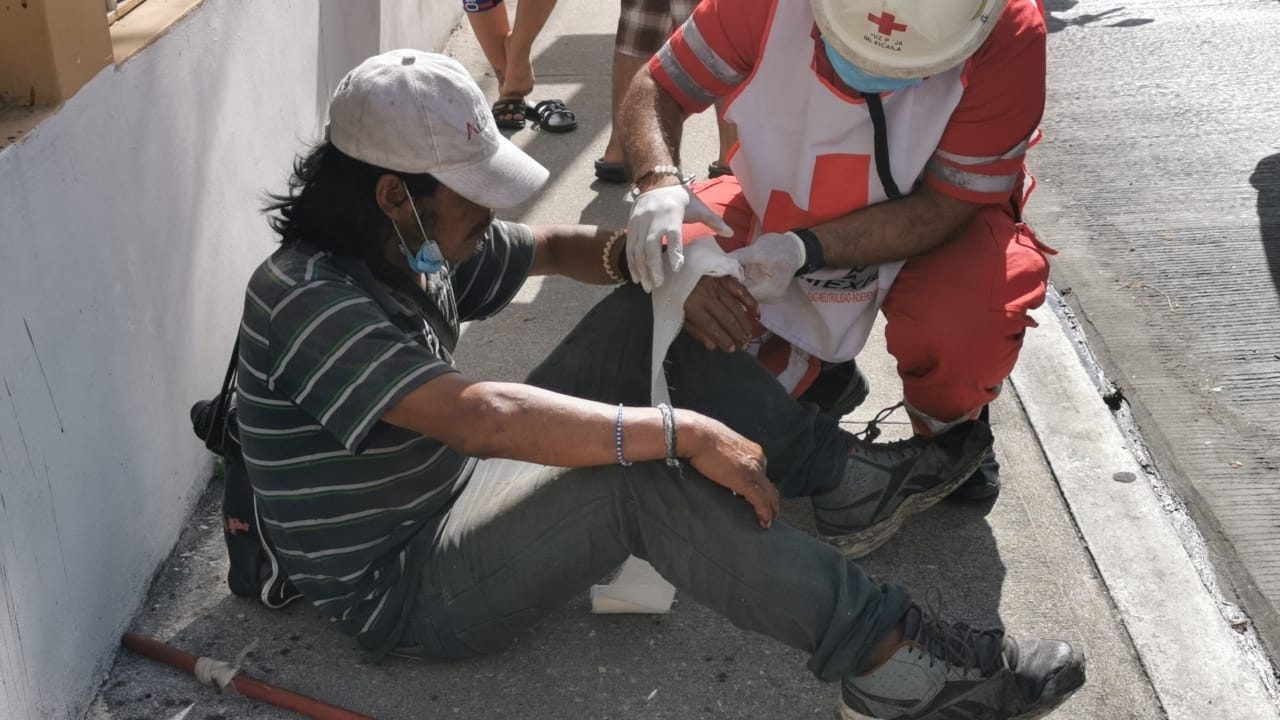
x=1074, y=548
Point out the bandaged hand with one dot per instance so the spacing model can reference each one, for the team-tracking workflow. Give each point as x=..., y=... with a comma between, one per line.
x=658, y=214
x=770, y=263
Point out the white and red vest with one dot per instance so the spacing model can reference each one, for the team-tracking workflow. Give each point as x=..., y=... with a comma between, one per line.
x=805, y=157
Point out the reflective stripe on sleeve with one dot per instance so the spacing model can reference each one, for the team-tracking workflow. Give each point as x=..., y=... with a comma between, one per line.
x=716, y=65
x=970, y=160
x=972, y=181
x=681, y=78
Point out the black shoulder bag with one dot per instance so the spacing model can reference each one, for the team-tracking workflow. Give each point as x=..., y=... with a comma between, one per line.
x=255, y=572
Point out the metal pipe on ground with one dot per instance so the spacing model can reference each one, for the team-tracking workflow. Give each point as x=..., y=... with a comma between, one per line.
x=225, y=675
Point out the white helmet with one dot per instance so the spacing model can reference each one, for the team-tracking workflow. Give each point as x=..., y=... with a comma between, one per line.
x=906, y=39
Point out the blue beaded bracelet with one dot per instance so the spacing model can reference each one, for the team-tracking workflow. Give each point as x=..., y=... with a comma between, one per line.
x=621, y=461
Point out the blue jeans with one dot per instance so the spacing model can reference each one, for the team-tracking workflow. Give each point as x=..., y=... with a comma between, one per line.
x=521, y=540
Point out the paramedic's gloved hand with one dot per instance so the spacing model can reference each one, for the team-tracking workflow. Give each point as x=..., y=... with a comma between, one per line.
x=658, y=214
x=770, y=263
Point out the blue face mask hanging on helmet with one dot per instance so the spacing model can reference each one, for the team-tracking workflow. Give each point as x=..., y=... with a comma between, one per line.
x=865, y=82
x=428, y=259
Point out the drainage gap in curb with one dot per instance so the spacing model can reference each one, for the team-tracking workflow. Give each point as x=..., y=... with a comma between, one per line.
x=1193, y=541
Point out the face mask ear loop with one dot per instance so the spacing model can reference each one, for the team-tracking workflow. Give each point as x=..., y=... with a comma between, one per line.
x=404, y=247
x=416, y=217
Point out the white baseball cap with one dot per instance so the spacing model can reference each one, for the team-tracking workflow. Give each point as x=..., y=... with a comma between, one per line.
x=416, y=112
x=906, y=39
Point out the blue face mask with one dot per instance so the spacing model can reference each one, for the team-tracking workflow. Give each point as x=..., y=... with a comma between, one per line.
x=864, y=81
x=428, y=259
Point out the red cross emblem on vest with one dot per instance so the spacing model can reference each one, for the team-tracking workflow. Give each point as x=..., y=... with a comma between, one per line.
x=887, y=23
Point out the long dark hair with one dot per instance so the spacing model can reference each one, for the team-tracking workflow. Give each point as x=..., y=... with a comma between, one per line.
x=331, y=204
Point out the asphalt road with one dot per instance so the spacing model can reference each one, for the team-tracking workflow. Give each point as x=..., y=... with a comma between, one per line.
x=1160, y=185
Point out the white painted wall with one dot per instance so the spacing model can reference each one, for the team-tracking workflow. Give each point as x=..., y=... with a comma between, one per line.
x=129, y=223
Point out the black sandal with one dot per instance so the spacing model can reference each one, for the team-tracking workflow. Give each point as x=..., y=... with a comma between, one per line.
x=717, y=169
x=552, y=116
x=509, y=113
x=611, y=172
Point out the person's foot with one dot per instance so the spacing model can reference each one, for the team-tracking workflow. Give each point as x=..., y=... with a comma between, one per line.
x=518, y=77
x=950, y=670
x=509, y=113
x=884, y=484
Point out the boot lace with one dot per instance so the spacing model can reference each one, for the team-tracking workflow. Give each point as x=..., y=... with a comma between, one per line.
x=872, y=430
x=956, y=644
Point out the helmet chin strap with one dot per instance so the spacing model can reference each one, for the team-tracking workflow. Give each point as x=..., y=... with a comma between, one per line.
x=876, y=108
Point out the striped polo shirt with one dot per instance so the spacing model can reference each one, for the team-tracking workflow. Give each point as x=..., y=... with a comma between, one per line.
x=325, y=351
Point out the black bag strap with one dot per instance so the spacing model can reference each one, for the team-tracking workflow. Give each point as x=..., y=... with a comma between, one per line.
x=363, y=274
x=876, y=108
x=216, y=439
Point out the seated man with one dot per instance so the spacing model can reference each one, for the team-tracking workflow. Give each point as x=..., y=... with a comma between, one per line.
x=440, y=517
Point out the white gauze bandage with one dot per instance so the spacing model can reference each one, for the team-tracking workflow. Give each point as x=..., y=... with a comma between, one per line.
x=638, y=588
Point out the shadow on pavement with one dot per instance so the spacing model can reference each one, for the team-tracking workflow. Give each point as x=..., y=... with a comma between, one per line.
x=688, y=663
x=562, y=59
x=1266, y=180
x=1055, y=22
x=948, y=551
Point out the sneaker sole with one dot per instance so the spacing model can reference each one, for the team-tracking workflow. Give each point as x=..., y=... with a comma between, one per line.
x=859, y=544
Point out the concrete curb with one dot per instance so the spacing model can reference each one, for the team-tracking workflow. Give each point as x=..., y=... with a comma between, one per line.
x=1195, y=663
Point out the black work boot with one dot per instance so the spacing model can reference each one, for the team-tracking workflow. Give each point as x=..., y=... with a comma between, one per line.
x=838, y=390
x=953, y=671
x=984, y=483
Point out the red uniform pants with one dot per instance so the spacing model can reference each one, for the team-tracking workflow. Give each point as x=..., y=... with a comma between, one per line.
x=955, y=316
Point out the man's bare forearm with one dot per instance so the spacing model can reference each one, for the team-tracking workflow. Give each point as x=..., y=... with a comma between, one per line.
x=893, y=230
x=522, y=422
x=576, y=252
x=652, y=123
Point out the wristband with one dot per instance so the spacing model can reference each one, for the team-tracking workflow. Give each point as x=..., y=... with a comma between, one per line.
x=669, y=434
x=813, y=259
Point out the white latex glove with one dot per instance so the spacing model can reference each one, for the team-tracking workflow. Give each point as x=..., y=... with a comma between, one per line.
x=659, y=213
x=770, y=263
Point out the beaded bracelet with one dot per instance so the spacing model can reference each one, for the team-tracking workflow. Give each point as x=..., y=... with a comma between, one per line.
x=669, y=432
x=614, y=274
x=657, y=171
x=621, y=461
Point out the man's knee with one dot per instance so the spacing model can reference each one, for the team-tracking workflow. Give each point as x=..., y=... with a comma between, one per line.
x=956, y=316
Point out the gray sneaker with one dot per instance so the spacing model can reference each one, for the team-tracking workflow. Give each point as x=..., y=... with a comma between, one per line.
x=952, y=671
x=886, y=483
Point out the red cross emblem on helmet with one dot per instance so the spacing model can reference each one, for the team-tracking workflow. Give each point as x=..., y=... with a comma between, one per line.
x=886, y=23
